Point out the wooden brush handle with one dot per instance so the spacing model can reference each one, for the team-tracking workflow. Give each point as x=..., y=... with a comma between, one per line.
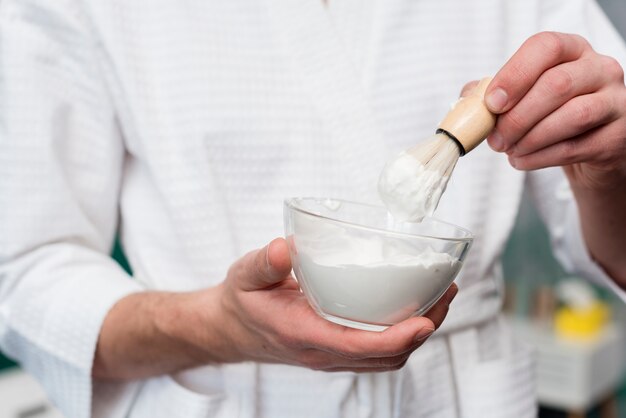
x=470, y=121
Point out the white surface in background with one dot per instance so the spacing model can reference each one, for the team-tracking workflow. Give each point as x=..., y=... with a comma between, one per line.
x=574, y=375
x=22, y=397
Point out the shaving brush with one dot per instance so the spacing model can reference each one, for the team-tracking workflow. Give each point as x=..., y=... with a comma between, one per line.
x=412, y=183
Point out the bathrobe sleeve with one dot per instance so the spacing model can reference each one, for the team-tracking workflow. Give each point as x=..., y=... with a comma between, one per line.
x=553, y=198
x=549, y=188
x=61, y=159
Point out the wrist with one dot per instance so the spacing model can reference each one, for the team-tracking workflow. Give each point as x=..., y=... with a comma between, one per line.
x=191, y=321
x=590, y=179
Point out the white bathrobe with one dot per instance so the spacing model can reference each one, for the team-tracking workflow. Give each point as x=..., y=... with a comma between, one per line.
x=185, y=123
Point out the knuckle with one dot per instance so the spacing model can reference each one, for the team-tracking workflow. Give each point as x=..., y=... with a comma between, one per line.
x=613, y=68
x=585, y=116
x=551, y=42
x=559, y=82
x=581, y=40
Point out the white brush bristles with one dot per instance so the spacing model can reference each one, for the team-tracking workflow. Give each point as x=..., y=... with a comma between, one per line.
x=411, y=185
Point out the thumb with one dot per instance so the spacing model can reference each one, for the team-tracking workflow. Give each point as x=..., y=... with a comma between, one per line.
x=265, y=267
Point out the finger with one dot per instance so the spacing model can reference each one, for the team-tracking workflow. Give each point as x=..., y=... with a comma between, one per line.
x=467, y=88
x=577, y=116
x=357, y=344
x=264, y=268
x=400, y=338
x=439, y=311
x=322, y=360
x=367, y=369
x=554, y=88
x=599, y=147
x=539, y=53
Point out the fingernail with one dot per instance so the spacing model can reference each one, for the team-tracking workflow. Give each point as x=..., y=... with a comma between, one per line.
x=496, y=100
x=513, y=161
x=496, y=141
x=423, y=333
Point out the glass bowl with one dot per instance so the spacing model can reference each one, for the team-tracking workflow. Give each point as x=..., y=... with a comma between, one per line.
x=359, y=268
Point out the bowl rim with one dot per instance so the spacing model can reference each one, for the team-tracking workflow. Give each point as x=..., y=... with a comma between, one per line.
x=289, y=202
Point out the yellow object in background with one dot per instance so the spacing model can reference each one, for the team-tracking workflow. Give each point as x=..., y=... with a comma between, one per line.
x=581, y=323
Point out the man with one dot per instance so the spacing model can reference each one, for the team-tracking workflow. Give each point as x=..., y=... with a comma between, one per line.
x=193, y=120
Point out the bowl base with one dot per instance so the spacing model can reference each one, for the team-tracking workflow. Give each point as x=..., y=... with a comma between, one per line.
x=353, y=324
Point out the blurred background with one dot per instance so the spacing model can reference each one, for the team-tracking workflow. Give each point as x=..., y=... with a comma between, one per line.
x=578, y=332
x=580, y=368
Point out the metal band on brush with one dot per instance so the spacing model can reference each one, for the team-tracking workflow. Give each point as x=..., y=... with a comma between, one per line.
x=453, y=138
